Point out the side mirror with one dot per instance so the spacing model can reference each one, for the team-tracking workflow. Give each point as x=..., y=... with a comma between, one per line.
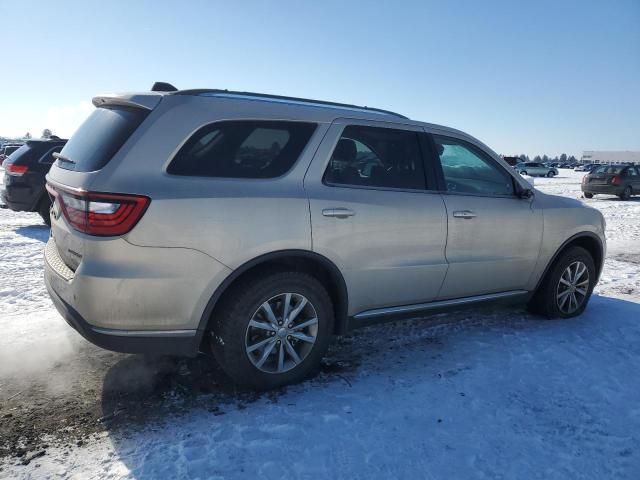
x=526, y=193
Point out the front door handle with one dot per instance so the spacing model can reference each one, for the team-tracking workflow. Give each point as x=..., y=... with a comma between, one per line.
x=466, y=214
x=338, y=212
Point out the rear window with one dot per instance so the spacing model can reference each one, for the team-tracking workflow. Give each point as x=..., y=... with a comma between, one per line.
x=100, y=137
x=9, y=150
x=614, y=169
x=26, y=154
x=242, y=149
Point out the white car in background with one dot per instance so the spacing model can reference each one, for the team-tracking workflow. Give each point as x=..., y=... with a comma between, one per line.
x=534, y=169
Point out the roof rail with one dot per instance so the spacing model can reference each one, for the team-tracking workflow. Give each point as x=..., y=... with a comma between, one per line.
x=282, y=99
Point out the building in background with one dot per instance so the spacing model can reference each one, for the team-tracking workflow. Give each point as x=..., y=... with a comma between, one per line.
x=597, y=156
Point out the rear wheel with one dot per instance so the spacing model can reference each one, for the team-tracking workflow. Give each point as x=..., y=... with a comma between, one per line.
x=44, y=207
x=523, y=172
x=550, y=174
x=588, y=195
x=273, y=330
x=626, y=194
x=567, y=287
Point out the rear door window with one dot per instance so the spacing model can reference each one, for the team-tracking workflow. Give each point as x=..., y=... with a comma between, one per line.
x=377, y=157
x=242, y=149
x=100, y=137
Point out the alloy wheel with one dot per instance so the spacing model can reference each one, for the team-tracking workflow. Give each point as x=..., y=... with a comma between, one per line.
x=281, y=333
x=572, y=288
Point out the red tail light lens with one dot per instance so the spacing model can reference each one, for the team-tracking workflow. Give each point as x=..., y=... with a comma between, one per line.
x=100, y=214
x=17, y=170
x=617, y=180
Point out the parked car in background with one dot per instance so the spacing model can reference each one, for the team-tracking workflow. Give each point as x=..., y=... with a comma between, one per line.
x=620, y=180
x=7, y=150
x=23, y=183
x=583, y=167
x=536, y=169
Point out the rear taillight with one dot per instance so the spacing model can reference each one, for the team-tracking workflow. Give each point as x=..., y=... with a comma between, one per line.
x=617, y=180
x=17, y=170
x=100, y=214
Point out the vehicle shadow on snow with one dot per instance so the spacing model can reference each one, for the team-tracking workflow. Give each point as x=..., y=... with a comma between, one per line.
x=140, y=394
x=36, y=232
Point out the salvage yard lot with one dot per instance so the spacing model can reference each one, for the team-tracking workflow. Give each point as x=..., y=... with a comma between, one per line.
x=494, y=393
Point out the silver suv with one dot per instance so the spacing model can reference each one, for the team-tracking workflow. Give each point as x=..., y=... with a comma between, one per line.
x=256, y=226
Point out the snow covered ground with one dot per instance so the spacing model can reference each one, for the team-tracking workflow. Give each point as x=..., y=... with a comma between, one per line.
x=487, y=394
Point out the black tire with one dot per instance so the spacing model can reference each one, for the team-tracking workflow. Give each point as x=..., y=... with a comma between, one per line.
x=44, y=207
x=230, y=325
x=588, y=195
x=550, y=174
x=626, y=193
x=544, y=301
x=523, y=172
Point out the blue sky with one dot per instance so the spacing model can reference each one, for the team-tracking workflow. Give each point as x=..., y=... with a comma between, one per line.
x=524, y=77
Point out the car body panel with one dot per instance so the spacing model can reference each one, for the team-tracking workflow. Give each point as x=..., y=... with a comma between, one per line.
x=391, y=251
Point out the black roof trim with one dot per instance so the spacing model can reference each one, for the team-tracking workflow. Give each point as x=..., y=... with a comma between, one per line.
x=267, y=96
x=163, y=87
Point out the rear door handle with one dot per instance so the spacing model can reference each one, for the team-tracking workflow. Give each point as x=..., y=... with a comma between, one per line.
x=338, y=212
x=466, y=214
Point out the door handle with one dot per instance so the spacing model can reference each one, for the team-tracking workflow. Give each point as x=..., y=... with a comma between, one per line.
x=338, y=212
x=466, y=214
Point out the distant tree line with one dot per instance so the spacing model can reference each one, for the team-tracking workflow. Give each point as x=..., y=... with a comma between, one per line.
x=563, y=158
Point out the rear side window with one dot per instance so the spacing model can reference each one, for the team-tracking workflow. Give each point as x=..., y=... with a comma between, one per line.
x=100, y=137
x=242, y=149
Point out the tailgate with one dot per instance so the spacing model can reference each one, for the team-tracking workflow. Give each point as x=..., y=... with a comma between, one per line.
x=91, y=148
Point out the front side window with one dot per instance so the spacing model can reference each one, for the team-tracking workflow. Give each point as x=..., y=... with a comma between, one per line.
x=242, y=149
x=377, y=157
x=467, y=170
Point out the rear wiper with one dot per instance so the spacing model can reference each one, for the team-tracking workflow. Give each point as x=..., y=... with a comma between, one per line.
x=62, y=158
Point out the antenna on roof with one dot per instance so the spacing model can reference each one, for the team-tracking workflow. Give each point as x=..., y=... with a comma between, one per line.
x=163, y=87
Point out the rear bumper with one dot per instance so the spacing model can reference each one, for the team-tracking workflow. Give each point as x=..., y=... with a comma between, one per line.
x=20, y=198
x=607, y=189
x=168, y=343
x=133, y=299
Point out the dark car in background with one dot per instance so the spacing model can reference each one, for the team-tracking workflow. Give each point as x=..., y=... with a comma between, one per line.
x=620, y=180
x=7, y=150
x=23, y=183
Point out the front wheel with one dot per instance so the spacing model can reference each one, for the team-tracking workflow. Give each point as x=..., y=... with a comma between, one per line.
x=523, y=172
x=588, y=195
x=626, y=194
x=550, y=174
x=567, y=287
x=273, y=330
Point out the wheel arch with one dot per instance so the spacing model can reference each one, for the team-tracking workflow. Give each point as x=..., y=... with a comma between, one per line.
x=587, y=240
x=297, y=260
